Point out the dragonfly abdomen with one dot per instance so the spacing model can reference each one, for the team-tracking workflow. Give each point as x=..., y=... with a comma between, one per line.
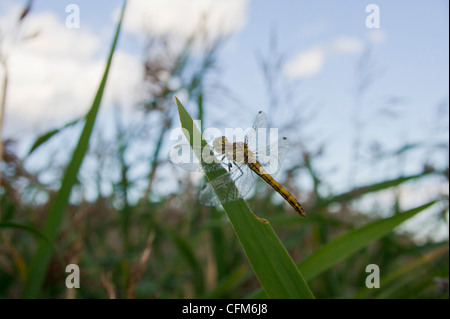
x=256, y=167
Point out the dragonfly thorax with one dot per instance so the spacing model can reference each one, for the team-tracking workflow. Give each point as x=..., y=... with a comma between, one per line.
x=237, y=152
x=242, y=159
x=219, y=144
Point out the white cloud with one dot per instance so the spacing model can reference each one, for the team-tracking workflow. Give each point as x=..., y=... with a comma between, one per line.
x=309, y=62
x=54, y=76
x=345, y=44
x=306, y=64
x=182, y=17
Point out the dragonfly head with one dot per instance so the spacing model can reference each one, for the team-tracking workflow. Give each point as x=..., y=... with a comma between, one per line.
x=219, y=144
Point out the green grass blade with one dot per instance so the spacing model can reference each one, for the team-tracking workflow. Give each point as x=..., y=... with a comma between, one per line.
x=48, y=135
x=269, y=259
x=229, y=283
x=29, y=229
x=345, y=245
x=187, y=253
x=52, y=225
x=393, y=278
x=219, y=244
x=363, y=190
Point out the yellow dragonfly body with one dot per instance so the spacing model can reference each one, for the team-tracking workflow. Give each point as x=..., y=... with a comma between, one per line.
x=240, y=159
x=238, y=152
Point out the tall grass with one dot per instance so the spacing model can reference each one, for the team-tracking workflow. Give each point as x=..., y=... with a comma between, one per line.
x=59, y=205
x=273, y=266
x=164, y=244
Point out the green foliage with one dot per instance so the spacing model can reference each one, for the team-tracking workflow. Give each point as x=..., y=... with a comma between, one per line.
x=272, y=264
x=55, y=216
x=42, y=139
x=141, y=239
x=352, y=241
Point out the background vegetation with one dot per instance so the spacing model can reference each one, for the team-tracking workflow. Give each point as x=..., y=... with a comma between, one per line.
x=136, y=240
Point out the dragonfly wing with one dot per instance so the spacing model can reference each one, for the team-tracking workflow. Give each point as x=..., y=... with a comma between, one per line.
x=273, y=156
x=221, y=190
x=184, y=155
x=258, y=132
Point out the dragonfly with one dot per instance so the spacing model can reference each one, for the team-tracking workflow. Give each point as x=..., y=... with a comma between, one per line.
x=242, y=160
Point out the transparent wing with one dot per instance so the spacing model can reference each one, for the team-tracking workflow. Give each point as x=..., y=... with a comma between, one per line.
x=273, y=156
x=258, y=132
x=183, y=155
x=220, y=190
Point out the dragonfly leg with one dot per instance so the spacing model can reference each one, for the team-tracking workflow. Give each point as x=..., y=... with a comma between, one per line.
x=228, y=164
x=240, y=170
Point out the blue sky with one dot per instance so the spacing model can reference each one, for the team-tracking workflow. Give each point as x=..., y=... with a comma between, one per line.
x=412, y=55
x=321, y=41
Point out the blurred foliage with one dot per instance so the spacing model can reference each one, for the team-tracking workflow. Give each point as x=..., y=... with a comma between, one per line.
x=133, y=240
